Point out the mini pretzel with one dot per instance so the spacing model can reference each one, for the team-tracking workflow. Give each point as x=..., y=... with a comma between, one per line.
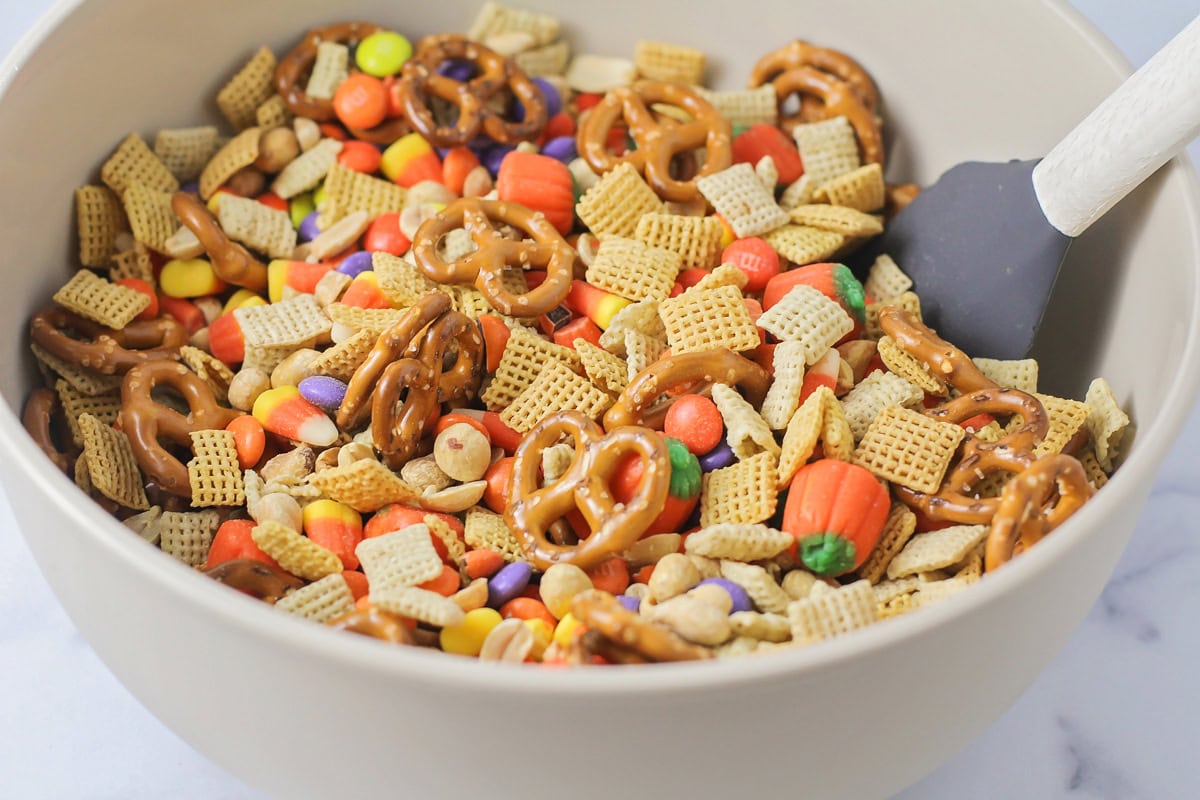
x=658, y=142
x=1011, y=453
x=585, y=486
x=484, y=266
x=636, y=405
x=376, y=623
x=293, y=70
x=836, y=98
x=104, y=350
x=420, y=80
x=255, y=578
x=41, y=416
x=1023, y=517
x=802, y=54
x=232, y=262
x=601, y=612
x=146, y=421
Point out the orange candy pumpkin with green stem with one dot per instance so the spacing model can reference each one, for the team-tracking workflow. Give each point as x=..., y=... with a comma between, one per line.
x=836, y=511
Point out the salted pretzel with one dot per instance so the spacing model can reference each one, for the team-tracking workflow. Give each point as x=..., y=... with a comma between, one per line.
x=147, y=422
x=659, y=141
x=637, y=406
x=42, y=418
x=835, y=98
x=484, y=267
x=420, y=82
x=799, y=53
x=230, y=261
x=376, y=623
x=632, y=633
x=584, y=486
x=105, y=350
x=293, y=70
x=1034, y=503
x=255, y=578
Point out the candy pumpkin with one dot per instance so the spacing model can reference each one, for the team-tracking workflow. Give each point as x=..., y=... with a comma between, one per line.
x=835, y=281
x=836, y=511
x=684, y=490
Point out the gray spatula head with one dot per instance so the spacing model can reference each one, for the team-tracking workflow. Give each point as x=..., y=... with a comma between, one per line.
x=982, y=256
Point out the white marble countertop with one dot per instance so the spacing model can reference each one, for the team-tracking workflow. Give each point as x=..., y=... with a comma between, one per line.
x=1116, y=716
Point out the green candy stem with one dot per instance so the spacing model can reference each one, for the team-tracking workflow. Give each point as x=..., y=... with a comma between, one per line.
x=685, y=470
x=850, y=291
x=827, y=554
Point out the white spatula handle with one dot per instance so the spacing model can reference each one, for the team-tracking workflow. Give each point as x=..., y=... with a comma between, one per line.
x=1141, y=125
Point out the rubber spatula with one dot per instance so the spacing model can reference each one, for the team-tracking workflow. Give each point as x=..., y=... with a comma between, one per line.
x=983, y=244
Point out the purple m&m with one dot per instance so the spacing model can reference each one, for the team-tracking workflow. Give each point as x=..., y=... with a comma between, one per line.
x=323, y=392
x=308, y=227
x=717, y=458
x=741, y=600
x=553, y=100
x=355, y=263
x=630, y=602
x=508, y=582
x=561, y=148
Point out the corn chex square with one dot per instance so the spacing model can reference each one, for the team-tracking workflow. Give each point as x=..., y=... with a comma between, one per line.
x=365, y=485
x=329, y=69
x=556, y=388
x=248, y=89
x=210, y=369
x=114, y=471
x=783, y=396
x=99, y=217
x=697, y=240
x=745, y=430
x=832, y=613
x=862, y=189
x=628, y=268
x=401, y=558
x=897, y=530
x=641, y=351
x=483, y=530
x=607, y=371
x=874, y=393
x=829, y=148
x=214, y=473
x=805, y=315
x=400, y=280
x=348, y=190
x=441, y=529
x=613, y=206
x=764, y=591
x=740, y=493
x=723, y=275
x=801, y=244
x=376, y=320
x=523, y=359
x=908, y=448
x=798, y=193
x=258, y=226
x=847, y=221
x=697, y=321
x=738, y=542
x=638, y=317
x=344, y=358
x=151, y=219
x=134, y=162
x=132, y=263
x=288, y=323
x=541, y=62
x=185, y=151
x=660, y=61
x=1106, y=422
x=273, y=113
x=739, y=196
x=1066, y=417
x=905, y=301
x=297, y=554
x=83, y=381
x=90, y=296
x=744, y=107
x=325, y=600
x=419, y=604
x=104, y=407
x=885, y=279
x=187, y=535
x=307, y=170
x=494, y=19
x=907, y=366
x=945, y=547
x=240, y=151
x=1012, y=374
x=802, y=434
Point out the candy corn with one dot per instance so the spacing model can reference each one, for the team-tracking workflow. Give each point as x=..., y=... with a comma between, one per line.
x=189, y=277
x=335, y=526
x=410, y=160
x=300, y=275
x=596, y=304
x=364, y=292
x=284, y=412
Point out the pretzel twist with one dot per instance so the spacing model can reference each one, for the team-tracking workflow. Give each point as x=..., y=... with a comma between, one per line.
x=631, y=634
x=636, y=405
x=835, y=98
x=799, y=53
x=294, y=68
x=420, y=81
x=585, y=486
x=1034, y=503
x=42, y=415
x=484, y=267
x=147, y=422
x=376, y=623
x=230, y=261
x=658, y=141
x=255, y=578
x=104, y=350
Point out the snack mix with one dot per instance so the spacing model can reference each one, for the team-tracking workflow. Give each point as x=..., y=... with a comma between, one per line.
x=473, y=343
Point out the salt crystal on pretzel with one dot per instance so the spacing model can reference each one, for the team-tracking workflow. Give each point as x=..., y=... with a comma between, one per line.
x=494, y=19
x=258, y=226
x=484, y=530
x=348, y=190
x=738, y=542
x=839, y=219
x=936, y=549
x=556, y=388
x=96, y=299
x=80, y=379
x=829, y=148
x=697, y=240
x=365, y=485
x=807, y=316
x=1106, y=422
x=322, y=601
x=912, y=369
x=307, y=170
x=602, y=368
x=737, y=195
x=885, y=279
x=248, y=89
x=525, y=357
x=151, y=218
x=832, y=613
x=874, y=393
x=405, y=557
x=135, y=162
x=697, y=321
x=297, y=554
x=745, y=430
x=631, y=269
x=541, y=62
x=764, y=591
x=615, y=204
x=329, y=69
x=187, y=535
x=906, y=301
x=908, y=448
x=899, y=527
x=744, y=107
x=99, y=217
x=214, y=473
x=801, y=244
x=1066, y=417
x=673, y=63
x=273, y=113
x=239, y=152
x=103, y=407
x=783, y=398
x=185, y=151
x=741, y=493
x=114, y=471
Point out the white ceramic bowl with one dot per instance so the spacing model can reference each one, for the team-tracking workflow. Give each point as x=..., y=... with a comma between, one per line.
x=300, y=711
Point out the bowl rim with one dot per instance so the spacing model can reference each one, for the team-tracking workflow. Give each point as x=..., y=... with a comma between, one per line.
x=420, y=666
